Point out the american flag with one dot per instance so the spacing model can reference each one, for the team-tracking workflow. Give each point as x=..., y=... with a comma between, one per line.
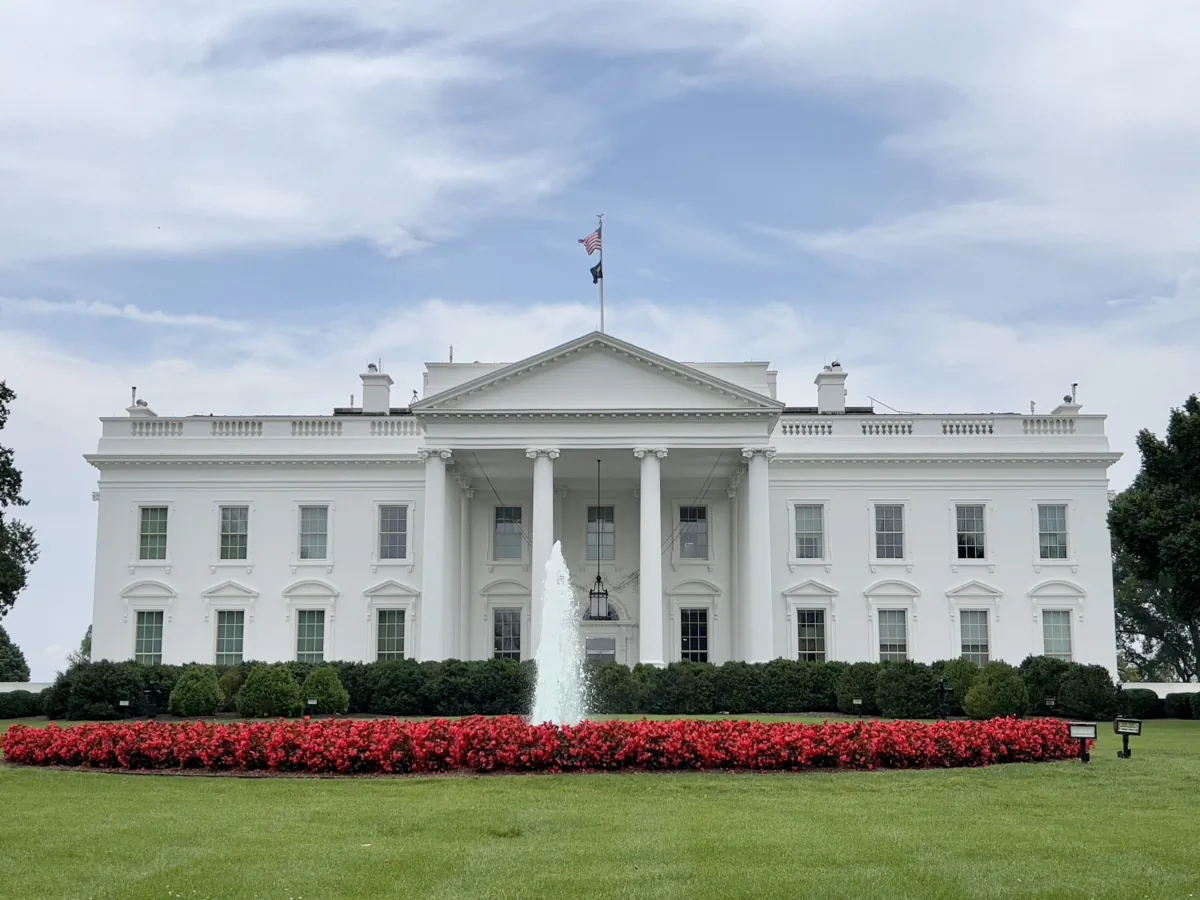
x=591, y=243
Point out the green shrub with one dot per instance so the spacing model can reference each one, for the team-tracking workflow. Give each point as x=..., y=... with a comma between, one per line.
x=56, y=697
x=231, y=682
x=1088, y=692
x=1178, y=706
x=97, y=689
x=13, y=666
x=736, y=688
x=1043, y=677
x=858, y=681
x=157, y=683
x=20, y=705
x=906, y=690
x=357, y=679
x=1141, y=703
x=398, y=688
x=196, y=693
x=999, y=690
x=682, y=688
x=1194, y=702
x=324, y=686
x=299, y=670
x=612, y=689
x=790, y=686
x=959, y=674
x=269, y=691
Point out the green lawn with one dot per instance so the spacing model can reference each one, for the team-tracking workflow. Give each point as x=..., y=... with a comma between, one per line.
x=1114, y=828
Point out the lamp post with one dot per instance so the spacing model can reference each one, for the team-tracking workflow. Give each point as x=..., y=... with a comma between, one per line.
x=944, y=694
x=598, y=595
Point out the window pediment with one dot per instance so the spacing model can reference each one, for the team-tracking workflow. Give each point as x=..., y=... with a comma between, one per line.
x=811, y=588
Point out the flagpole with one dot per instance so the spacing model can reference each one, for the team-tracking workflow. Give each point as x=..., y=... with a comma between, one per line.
x=600, y=231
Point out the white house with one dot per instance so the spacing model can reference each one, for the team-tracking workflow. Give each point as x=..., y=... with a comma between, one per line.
x=728, y=526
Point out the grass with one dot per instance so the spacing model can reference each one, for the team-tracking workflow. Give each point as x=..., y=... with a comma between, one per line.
x=1114, y=828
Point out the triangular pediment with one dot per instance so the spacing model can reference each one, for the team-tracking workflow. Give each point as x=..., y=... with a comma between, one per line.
x=594, y=373
x=810, y=588
x=391, y=588
x=228, y=590
x=974, y=588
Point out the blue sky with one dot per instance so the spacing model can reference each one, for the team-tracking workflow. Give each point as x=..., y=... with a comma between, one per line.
x=233, y=205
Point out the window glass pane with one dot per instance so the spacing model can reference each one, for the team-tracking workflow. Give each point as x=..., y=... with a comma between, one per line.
x=390, y=634
x=973, y=624
x=310, y=635
x=601, y=533
x=601, y=649
x=970, y=532
x=1052, y=531
x=507, y=539
x=506, y=634
x=693, y=532
x=231, y=629
x=235, y=530
x=889, y=532
x=393, y=532
x=147, y=642
x=314, y=531
x=152, y=533
x=810, y=634
x=810, y=531
x=693, y=635
x=1056, y=633
x=893, y=635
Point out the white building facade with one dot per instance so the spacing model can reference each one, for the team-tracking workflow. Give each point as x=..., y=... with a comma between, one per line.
x=727, y=525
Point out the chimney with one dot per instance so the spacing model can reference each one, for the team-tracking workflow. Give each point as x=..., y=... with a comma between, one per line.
x=139, y=409
x=377, y=392
x=1069, y=407
x=831, y=390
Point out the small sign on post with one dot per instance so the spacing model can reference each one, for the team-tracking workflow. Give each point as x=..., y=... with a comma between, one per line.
x=1083, y=732
x=1125, y=728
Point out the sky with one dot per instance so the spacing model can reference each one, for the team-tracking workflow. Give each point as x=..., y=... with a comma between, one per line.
x=234, y=205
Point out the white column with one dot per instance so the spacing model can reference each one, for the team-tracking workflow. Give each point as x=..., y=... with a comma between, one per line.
x=650, y=589
x=758, y=642
x=543, y=535
x=435, y=601
x=464, y=577
x=735, y=566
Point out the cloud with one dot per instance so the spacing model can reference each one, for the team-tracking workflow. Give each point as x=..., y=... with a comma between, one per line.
x=96, y=309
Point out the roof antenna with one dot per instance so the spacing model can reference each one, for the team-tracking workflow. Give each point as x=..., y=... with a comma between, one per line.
x=1032, y=407
x=133, y=399
x=352, y=401
x=451, y=353
x=1074, y=385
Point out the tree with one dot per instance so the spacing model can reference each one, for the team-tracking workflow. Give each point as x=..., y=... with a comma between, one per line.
x=1155, y=525
x=12, y=661
x=18, y=549
x=84, y=653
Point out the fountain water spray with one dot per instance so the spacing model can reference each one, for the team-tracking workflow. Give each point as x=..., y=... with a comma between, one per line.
x=559, y=695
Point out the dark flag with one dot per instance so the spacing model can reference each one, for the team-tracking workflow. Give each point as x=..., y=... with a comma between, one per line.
x=597, y=272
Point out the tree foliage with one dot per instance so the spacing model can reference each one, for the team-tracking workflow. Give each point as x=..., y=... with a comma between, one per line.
x=1155, y=525
x=84, y=653
x=12, y=661
x=18, y=549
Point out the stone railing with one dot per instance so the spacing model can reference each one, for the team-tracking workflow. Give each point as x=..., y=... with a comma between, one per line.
x=264, y=427
x=972, y=428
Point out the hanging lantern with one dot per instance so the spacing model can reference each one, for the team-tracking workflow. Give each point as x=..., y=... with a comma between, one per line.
x=598, y=595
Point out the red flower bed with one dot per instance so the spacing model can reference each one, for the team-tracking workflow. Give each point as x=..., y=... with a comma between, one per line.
x=508, y=743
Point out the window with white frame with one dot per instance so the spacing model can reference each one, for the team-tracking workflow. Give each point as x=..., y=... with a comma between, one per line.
x=508, y=538
x=1052, y=531
x=235, y=532
x=693, y=532
x=389, y=634
x=152, y=532
x=148, y=636
x=1056, y=633
x=314, y=532
x=889, y=531
x=973, y=627
x=231, y=633
x=506, y=633
x=893, y=635
x=970, y=531
x=810, y=531
x=601, y=533
x=393, y=532
x=601, y=649
x=810, y=635
x=310, y=635
x=693, y=634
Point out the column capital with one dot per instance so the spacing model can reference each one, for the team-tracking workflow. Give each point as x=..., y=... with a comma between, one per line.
x=561, y=492
x=640, y=452
x=767, y=452
x=425, y=453
x=535, y=452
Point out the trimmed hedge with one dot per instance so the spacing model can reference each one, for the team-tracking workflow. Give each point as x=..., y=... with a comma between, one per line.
x=1194, y=701
x=324, y=686
x=1178, y=706
x=197, y=693
x=998, y=691
x=269, y=691
x=1141, y=703
x=858, y=683
x=20, y=705
x=906, y=690
x=1088, y=692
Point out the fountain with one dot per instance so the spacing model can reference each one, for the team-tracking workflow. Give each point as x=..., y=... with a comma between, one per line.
x=559, y=695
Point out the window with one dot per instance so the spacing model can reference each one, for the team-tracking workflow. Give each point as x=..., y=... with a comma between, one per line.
x=693, y=635
x=810, y=634
x=235, y=531
x=507, y=538
x=889, y=531
x=693, y=532
x=970, y=530
x=147, y=642
x=231, y=629
x=389, y=640
x=893, y=635
x=1056, y=633
x=1052, y=531
x=152, y=533
x=973, y=624
x=601, y=649
x=393, y=533
x=506, y=634
x=810, y=531
x=601, y=533
x=310, y=635
x=314, y=532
